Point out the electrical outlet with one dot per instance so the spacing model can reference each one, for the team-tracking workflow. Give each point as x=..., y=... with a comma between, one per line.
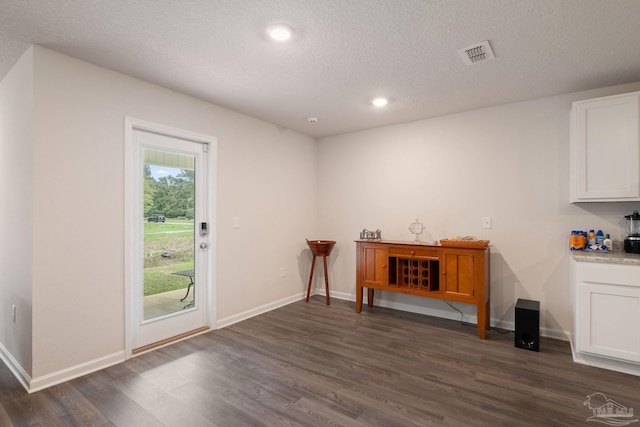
x=13, y=312
x=486, y=222
x=236, y=222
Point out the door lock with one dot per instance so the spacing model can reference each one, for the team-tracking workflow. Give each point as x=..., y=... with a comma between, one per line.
x=203, y=245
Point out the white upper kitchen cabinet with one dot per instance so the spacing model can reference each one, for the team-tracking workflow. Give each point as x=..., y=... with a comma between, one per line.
x=605, y=155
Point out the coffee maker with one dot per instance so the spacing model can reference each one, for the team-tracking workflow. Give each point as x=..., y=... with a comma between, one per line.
x=632, y=242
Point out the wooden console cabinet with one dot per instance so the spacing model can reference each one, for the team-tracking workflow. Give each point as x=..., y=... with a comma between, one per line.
x=451, y=273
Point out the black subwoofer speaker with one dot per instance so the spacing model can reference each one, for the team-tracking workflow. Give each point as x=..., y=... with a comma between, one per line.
x=528, y=324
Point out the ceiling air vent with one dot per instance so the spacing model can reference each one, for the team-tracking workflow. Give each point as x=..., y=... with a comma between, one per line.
x=476, y=53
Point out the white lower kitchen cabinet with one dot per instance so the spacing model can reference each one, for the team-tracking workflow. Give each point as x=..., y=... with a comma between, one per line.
x=606, y=311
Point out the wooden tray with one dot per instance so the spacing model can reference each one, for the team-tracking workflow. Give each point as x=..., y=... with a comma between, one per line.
x=465, y=243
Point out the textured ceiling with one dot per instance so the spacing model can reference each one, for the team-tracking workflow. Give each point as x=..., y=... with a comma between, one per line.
x=343, y=52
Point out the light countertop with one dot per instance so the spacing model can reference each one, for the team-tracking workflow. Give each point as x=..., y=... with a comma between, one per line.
x=615, y=257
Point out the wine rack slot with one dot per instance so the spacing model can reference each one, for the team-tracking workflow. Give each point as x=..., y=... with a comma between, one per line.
x=418, y=274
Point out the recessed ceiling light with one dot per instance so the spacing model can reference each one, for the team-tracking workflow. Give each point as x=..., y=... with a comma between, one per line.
x=380, y=102
x=279, y=33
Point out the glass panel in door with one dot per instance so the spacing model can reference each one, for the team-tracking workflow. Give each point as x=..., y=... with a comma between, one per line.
x=169, y=238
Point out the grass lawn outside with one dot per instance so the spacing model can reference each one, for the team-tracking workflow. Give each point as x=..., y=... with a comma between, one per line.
x=159, y=279
x=168, y=247
x=159, y=230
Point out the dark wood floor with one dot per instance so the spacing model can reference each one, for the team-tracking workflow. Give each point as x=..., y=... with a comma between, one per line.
x=312, y=365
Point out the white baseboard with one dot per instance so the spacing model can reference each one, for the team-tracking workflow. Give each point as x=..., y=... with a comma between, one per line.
x=31, y=385
x=16, y=369
x=228, y=321
x=606, y=363
x=445, y=314
x=557, y=334
x=68, y=374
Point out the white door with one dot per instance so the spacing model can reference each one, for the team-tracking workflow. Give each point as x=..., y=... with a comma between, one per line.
x=170, y=229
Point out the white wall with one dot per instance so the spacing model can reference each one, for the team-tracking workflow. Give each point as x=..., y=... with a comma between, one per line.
x=16, y=105
x=510, y=162
x=266, y=176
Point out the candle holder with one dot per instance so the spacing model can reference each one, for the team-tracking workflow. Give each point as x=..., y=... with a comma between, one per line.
x=416, y=228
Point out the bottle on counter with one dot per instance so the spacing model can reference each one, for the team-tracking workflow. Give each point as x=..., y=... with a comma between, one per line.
x=592, y=238
x=599, y=238
x=573, y=240
x=608, y=243
x=577, y=240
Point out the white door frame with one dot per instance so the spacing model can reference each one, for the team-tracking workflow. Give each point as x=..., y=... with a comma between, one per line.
x=132, y=124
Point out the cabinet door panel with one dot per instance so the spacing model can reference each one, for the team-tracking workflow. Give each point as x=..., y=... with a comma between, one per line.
x=457, y=273
x=605, y=149
x=375, y=261
x=610, y=321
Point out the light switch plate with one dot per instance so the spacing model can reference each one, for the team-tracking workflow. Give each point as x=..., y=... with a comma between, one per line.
x=486, y=222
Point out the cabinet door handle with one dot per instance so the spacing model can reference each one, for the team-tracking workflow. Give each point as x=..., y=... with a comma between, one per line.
x=413, y=252
x=384, y=265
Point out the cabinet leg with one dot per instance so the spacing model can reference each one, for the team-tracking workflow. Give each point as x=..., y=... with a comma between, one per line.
x=313, y=264
x=487, y=314
x=326, y=278
x=370, y=297
x=482, y=320
x=358, y=299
